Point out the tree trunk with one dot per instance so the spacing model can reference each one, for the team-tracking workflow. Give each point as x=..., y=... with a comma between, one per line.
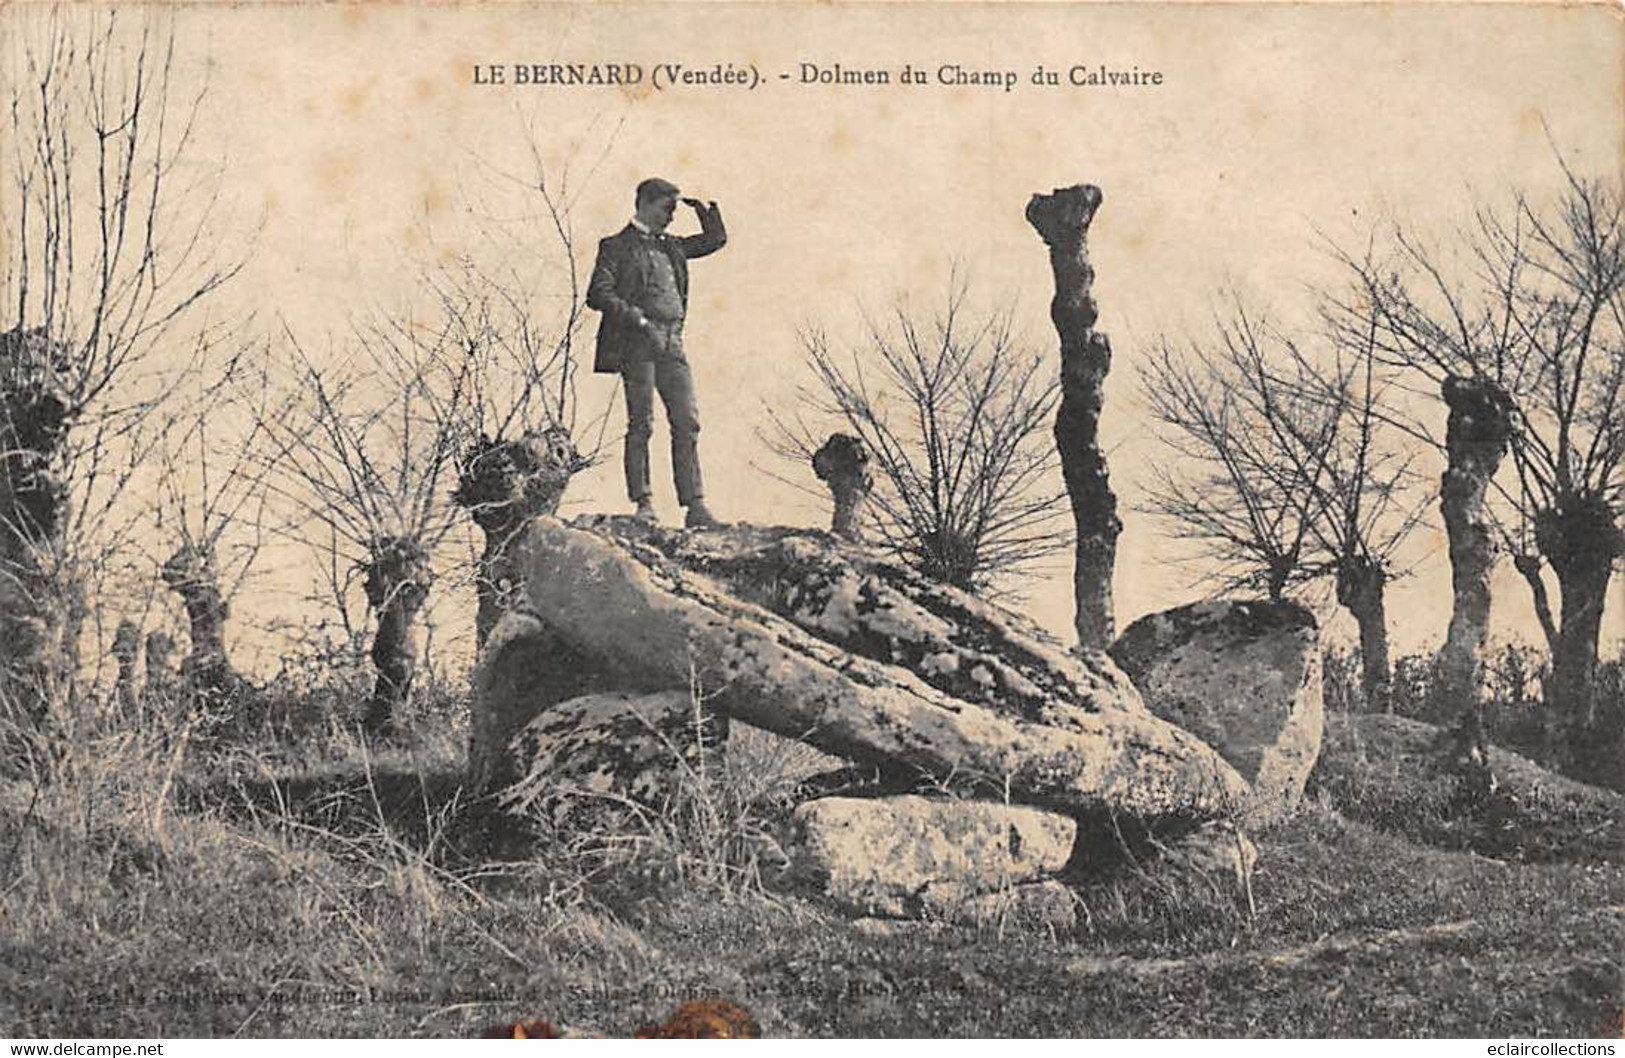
x=503, y=485
x=1275, y=582
x=1581, y=538
x=842, y=463
x=1530, y=567
x=397, y=585
x=1361, y=589
x=1476, y=435
x=161, y=689
x=207, y=672
x=127, y=655
x=36, y=595
x=1062, y=220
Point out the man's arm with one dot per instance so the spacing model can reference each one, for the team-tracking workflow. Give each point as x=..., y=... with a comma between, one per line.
x=713, y=235
x=601, y=293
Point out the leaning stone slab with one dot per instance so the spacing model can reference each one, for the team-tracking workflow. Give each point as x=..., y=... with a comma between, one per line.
x=624, y=609
x=1244, y=677
x=913, y=857
x=524, y=669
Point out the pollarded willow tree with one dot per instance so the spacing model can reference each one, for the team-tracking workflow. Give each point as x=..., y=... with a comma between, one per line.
x=361, y=465
x=462, y=402
x=209, y=520
x=1232, y=490
x=954, y=412
x=1520, y=322
x=1286, y=469
x=111, y=249
x=1368, y=501
x=501, y=387
x=503, y=382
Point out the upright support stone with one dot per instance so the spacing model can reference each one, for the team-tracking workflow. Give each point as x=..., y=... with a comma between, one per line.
x=1245, y=678
x=1062, y=220
x=843, y=464
x=592, y=760
x=525, y=669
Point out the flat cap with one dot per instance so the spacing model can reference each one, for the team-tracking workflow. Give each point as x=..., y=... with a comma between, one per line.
x=656, y=187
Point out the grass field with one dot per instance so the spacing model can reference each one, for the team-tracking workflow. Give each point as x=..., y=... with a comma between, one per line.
x=320, y=889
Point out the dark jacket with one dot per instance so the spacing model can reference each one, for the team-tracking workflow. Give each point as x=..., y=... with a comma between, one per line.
x=619, y=278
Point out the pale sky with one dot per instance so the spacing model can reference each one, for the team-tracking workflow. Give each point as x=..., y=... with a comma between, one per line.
x=359, y=136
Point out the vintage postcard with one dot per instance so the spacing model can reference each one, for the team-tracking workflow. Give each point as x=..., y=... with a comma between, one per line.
x=800, y=520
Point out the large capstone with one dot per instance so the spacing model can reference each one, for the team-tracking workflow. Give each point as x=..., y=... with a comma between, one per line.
x=814, y=639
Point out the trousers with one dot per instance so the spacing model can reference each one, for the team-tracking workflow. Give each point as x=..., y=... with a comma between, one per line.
x=664, y=370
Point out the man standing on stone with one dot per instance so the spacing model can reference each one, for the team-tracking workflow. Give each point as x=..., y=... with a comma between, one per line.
x=640, y=284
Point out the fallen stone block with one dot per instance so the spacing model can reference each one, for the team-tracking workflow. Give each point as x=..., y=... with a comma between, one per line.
x=1046, y=905
x=913, y=857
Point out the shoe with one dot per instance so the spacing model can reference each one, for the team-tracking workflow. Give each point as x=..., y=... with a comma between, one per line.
x=700, y=516
x=646, y=512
